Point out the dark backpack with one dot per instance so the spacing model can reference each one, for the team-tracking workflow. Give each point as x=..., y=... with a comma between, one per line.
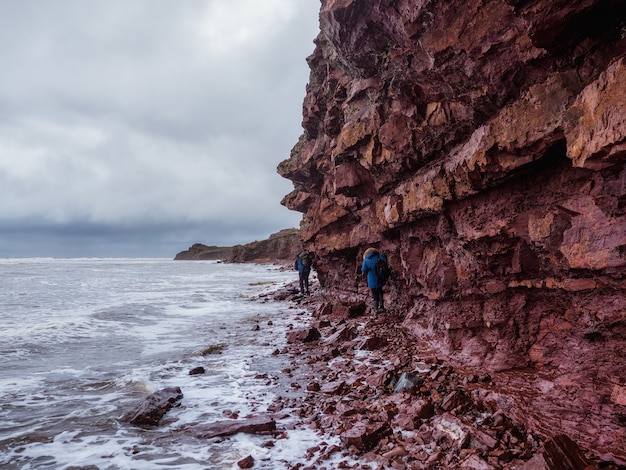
x=306, y=260
x=382, y=270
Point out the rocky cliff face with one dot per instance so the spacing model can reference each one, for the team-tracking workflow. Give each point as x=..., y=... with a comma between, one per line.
x=198, y=251
x=282, y=246
x=481, y=144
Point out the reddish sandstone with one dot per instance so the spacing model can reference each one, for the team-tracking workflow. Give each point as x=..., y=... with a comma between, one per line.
x=482, y=146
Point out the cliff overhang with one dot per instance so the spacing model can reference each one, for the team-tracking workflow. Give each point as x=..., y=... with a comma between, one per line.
x=482, y=146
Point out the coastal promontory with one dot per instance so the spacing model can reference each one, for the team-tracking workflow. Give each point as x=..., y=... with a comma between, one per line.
x=278, y=247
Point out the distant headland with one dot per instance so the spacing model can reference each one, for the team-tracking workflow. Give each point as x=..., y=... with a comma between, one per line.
x=280, y=246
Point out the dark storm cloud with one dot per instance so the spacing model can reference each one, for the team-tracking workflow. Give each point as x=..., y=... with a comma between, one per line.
x=117, y=116
x=88, y=239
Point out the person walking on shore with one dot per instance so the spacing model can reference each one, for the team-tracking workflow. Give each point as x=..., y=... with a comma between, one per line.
x=376, y=269
x=303, y=264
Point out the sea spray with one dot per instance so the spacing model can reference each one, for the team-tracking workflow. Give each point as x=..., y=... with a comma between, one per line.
x=83, y=341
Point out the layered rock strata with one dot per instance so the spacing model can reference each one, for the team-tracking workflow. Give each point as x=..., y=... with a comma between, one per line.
x=481, y=145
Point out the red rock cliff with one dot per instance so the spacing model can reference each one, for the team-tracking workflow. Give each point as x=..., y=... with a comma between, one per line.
x=482, y=145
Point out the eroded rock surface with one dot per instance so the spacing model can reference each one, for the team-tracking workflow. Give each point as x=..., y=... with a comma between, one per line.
x=152, y=409
x=481, y=145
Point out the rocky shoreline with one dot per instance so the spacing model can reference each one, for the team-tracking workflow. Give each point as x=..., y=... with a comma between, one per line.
x=363, y=378
x=394, y=408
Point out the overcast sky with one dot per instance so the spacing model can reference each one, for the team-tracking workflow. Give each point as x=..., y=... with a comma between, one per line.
x=137, y=128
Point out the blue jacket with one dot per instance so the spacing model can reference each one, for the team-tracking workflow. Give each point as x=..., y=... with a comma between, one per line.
x=369, y=268
x=299, y=266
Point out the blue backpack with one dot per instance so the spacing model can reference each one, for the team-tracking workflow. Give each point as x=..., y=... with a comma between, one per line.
x=382, y=270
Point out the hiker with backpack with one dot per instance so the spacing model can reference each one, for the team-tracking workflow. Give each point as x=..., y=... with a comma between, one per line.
x=376, y=268
x=303, y=264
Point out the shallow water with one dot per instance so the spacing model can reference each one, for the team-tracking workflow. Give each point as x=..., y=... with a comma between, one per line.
x=83, y=341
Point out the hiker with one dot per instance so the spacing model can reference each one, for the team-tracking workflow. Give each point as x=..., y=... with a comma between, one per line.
x=377, y=270
x=303, y=264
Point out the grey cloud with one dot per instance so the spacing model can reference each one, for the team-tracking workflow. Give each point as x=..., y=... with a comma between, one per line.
x=124, y=114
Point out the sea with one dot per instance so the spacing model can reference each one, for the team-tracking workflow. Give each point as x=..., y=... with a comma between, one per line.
x=84, y=341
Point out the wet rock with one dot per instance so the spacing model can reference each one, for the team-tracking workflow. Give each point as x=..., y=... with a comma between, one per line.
x=502, y=455
x=313, y=387
x=197, y=371
x=303, y=335
x=154, y=407
x=246, y=462
x=254, y=425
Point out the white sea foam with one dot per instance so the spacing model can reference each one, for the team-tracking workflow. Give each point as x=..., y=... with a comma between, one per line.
x=83, y=341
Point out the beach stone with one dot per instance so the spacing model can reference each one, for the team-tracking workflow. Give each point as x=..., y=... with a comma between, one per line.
x=473, y=462
x=423, y=409
x=346, y=333
x=197, y=371
x=153, y=408
x=397, y=451
x=349, y=309
x=403, y=421
x=378, y=378
x=455, y=399
x=333, y=388
x=255, y=425
x=303, y=335
x=246, y=462
x=364, y=435
x=373, y=343
x=324, y=309
x=313, y=387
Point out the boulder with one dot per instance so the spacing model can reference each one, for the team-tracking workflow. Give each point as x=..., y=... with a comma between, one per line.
x=365, y=435
x=303, y=335
x=197, y=371
x=154, y=407
x=253, y=425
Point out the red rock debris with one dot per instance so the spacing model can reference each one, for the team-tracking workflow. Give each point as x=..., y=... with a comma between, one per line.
x=447, y=420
